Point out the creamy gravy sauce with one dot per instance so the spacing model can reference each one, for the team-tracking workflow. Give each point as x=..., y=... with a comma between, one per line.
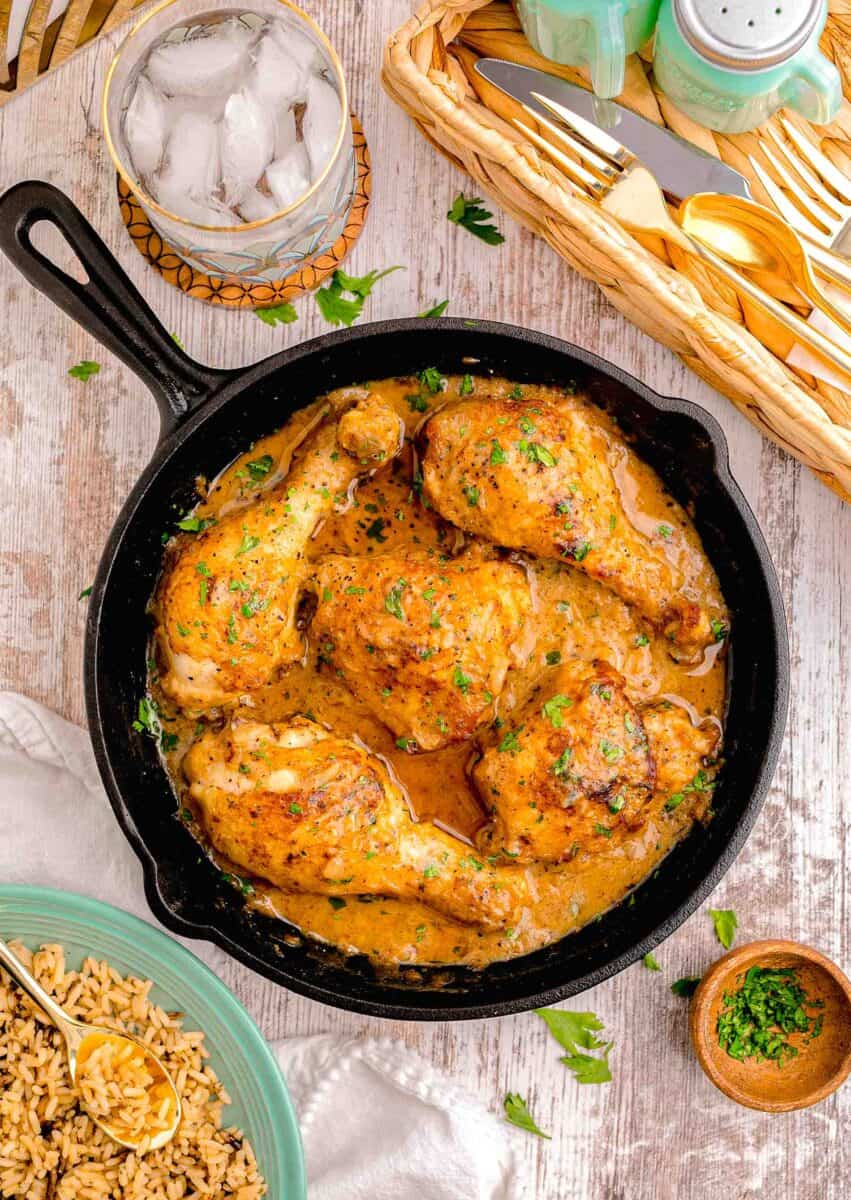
x=573, y=616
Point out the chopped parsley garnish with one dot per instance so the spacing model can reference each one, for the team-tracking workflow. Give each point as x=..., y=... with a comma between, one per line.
x=259, y=468
x=602, y=830
x=537, y=453
x=249, y=542
x=336, y=902
x=498, y=455
x=461, y=680
x=87, y=591
x=665, y=531
x=726, y=923
x=277, y=314
x=431, y=872
x=465, y=388
x=374, y=530
x=526, y=425
x=719, y=630
x=756, y=1018
x=406, y=744
x=651, y=963
x=553, y=658
x=393, y=600
x=84, y=370
x=472, y=495
x=686, y=986
x=641, y=639
x=472, y=216
x=510, y=743
x=617, y=803
x=552, y=710
x=561, y=764
x=517, y=1113
x=582, y=551
x=432, y=379
x=610, y=752
x=417, y=402
x=355, y=591
x=295, y=809
x=574, y=1032
x=700, y=783
x=195, y=524
x=516, y=392
x=340, y=310
x=436, y=310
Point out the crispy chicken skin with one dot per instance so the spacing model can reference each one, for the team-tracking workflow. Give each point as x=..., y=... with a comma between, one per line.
x=572, y=771
x=226, y=607
x=679, y=748
x=536, y=477
x=313, y=812
x=426, y=644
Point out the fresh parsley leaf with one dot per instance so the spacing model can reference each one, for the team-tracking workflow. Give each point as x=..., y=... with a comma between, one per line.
x=461, y=680
x=651, y=963
x=552, y=710
x=610, y=752
x=517, y=1112
x=432, y=379
x=85, y=592
x=472, y=495
x=249, y=542
x=393, y=600
x=553, y=658
x=498, y=456
x=582, y=551
x=726, y=924
x=177, y=341
x=474, y=218
x=641, y=639
x=465, y=388
x=665, y=531
x=195, y=524
x=686, y=986
x=259, y=468
x=511, y=741
x=719, y=630
x=278, y=314
x=437, y=310
x=572, y=1030
x=587, y=1068
x=374, y=530
x=84, y=370
x=336, y=902
x=537, y=453
x=562, y=763
x=335, y=307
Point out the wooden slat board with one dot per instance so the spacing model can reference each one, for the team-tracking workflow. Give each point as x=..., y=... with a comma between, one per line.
x=69, y=452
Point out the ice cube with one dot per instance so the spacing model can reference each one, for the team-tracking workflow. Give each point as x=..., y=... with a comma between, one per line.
x=208, y=64
x=247, y=143
x=289, y=177
x=206, y=106
x=144, y=127
x=285, y=132
x=255, y=206
x=192, y=169
x=321, y=123
x=169, y=194
x=282, y=62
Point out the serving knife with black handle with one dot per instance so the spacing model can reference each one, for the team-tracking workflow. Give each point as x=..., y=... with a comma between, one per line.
x=680, y=168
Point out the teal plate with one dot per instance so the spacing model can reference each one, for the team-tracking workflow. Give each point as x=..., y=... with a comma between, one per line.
x=238, y=1053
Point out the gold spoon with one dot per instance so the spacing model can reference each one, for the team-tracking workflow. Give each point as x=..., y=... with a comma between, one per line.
x=82, y=1040
x=757, y=241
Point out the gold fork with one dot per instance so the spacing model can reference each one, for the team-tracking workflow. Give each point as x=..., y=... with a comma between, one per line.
x=825, y=222
x=600, y=168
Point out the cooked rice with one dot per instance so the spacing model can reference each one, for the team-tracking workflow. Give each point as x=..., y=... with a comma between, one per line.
x=50, y=1149
x=122, y=1086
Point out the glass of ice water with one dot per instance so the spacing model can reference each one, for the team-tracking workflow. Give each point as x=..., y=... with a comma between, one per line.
x=231, y=126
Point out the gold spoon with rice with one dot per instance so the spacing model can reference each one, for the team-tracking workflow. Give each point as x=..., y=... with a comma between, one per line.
x=123, y=1086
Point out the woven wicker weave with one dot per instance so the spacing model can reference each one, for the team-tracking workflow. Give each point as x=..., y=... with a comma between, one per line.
x=428, y=71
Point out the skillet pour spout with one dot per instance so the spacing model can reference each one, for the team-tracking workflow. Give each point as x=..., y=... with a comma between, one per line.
x=208, y=416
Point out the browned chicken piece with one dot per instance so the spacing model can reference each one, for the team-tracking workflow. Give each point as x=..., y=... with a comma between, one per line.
x=537, y=477
x=572, y=771
x=680, y=750
x=313, y=812
x=426, y=644
x=226, y=607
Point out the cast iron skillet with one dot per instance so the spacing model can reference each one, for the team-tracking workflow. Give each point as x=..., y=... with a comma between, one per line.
x=210, y=416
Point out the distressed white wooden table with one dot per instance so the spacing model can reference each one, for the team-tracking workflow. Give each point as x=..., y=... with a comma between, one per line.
x=70, y=451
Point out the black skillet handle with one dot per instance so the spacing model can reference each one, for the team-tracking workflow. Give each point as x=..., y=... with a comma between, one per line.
x=108, y=306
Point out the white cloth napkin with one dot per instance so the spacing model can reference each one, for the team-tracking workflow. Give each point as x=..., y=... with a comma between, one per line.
x=378, y=1122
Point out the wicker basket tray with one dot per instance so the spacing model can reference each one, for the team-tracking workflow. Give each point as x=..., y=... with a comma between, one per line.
x=428, y=70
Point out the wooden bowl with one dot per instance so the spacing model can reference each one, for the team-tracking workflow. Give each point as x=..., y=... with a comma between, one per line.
x=821, y=1065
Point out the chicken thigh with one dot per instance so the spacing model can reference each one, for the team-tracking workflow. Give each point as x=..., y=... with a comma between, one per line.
x=426, y=644
x=681, y=751
x=313, y=812
x=226, y=607
x=537, y=477
x=572, y=771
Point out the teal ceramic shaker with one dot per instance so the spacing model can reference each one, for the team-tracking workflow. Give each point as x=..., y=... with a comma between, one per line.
x=731, y=64
x=597, y=34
